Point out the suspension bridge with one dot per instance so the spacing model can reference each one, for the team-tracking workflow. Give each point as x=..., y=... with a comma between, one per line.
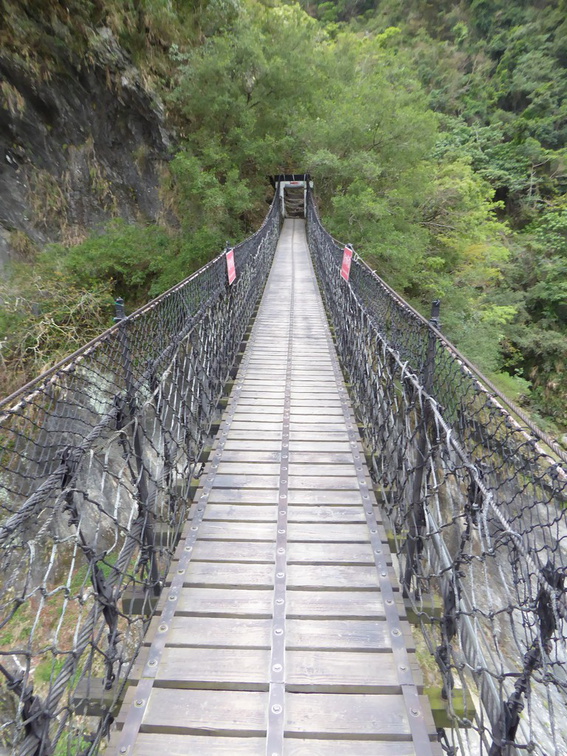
x=275, y=511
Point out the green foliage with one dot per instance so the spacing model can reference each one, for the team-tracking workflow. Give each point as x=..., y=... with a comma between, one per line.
x=496, y=74
x=129, y=257
x=44, y=315
x=436, y=134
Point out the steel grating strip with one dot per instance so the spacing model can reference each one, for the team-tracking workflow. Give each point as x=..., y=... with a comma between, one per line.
x=276, y=700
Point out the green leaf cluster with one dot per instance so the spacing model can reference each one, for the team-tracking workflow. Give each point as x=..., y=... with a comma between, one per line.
x=436, y=134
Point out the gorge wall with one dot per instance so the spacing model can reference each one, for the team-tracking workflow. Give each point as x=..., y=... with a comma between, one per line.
x=82, y=139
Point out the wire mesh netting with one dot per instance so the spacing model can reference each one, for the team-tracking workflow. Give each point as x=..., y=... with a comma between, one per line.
x=98, y=460
x=475, y=499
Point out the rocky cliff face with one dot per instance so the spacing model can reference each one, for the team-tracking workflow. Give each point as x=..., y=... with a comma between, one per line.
x=82, y=139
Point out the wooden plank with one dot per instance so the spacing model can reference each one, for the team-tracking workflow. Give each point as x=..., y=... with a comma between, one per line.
x=241, y=512
x=306, y=425
x=332, y=576
x=253, y=434
x=258, y=455
x=243, y=496
x=261, y=403
x=315, y=513
x=211, y=712
x=307, y=395
x=315, y=458
x=325, y=553
x=313, y=376
x=330, y=401
x=314, y=482
x=252, y=444
x=91, y=698
x=319, y=445
x=215, y=668
x=271, y=408
x=247, y=481
x=216, y=632
x=343, y=498
x=248, y=468
x=335, y=605
x=370, y=635
x=312, y=436
x=315, y=671
x=297, y=531
x=227, y=574
x=312, y=747
x=328, y=470
x=255, y=398
x=326, y=411
x=451, y=713
x=136, y=600
x=223, y=602
x=148, y=744
x=347, y=715
x=269, y=421
x=239, y=531
x=237, y=551
x=255, y=426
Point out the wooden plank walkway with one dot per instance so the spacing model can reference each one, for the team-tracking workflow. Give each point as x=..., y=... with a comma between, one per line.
x=282, y=631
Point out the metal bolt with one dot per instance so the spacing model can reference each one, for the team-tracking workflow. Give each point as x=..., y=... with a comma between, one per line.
x=396, y=632
x=414, y=712
x=163, y=628
x=278, y=631
x=276, y=708
x=277, y=667
x=139, y=702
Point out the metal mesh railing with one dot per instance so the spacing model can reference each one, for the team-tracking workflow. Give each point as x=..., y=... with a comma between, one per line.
x=98, y=459
x=476, y=502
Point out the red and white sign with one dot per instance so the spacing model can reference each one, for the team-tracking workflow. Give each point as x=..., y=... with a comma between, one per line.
x=230, y=266
x=345, y=267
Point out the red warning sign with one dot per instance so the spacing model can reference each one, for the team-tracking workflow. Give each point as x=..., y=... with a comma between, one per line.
x=230, y=266
x=345, y=267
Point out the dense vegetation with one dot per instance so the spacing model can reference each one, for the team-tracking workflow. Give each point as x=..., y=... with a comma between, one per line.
x=436, y=134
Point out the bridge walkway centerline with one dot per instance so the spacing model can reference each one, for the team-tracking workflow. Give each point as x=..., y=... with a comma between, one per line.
x=281, y=629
